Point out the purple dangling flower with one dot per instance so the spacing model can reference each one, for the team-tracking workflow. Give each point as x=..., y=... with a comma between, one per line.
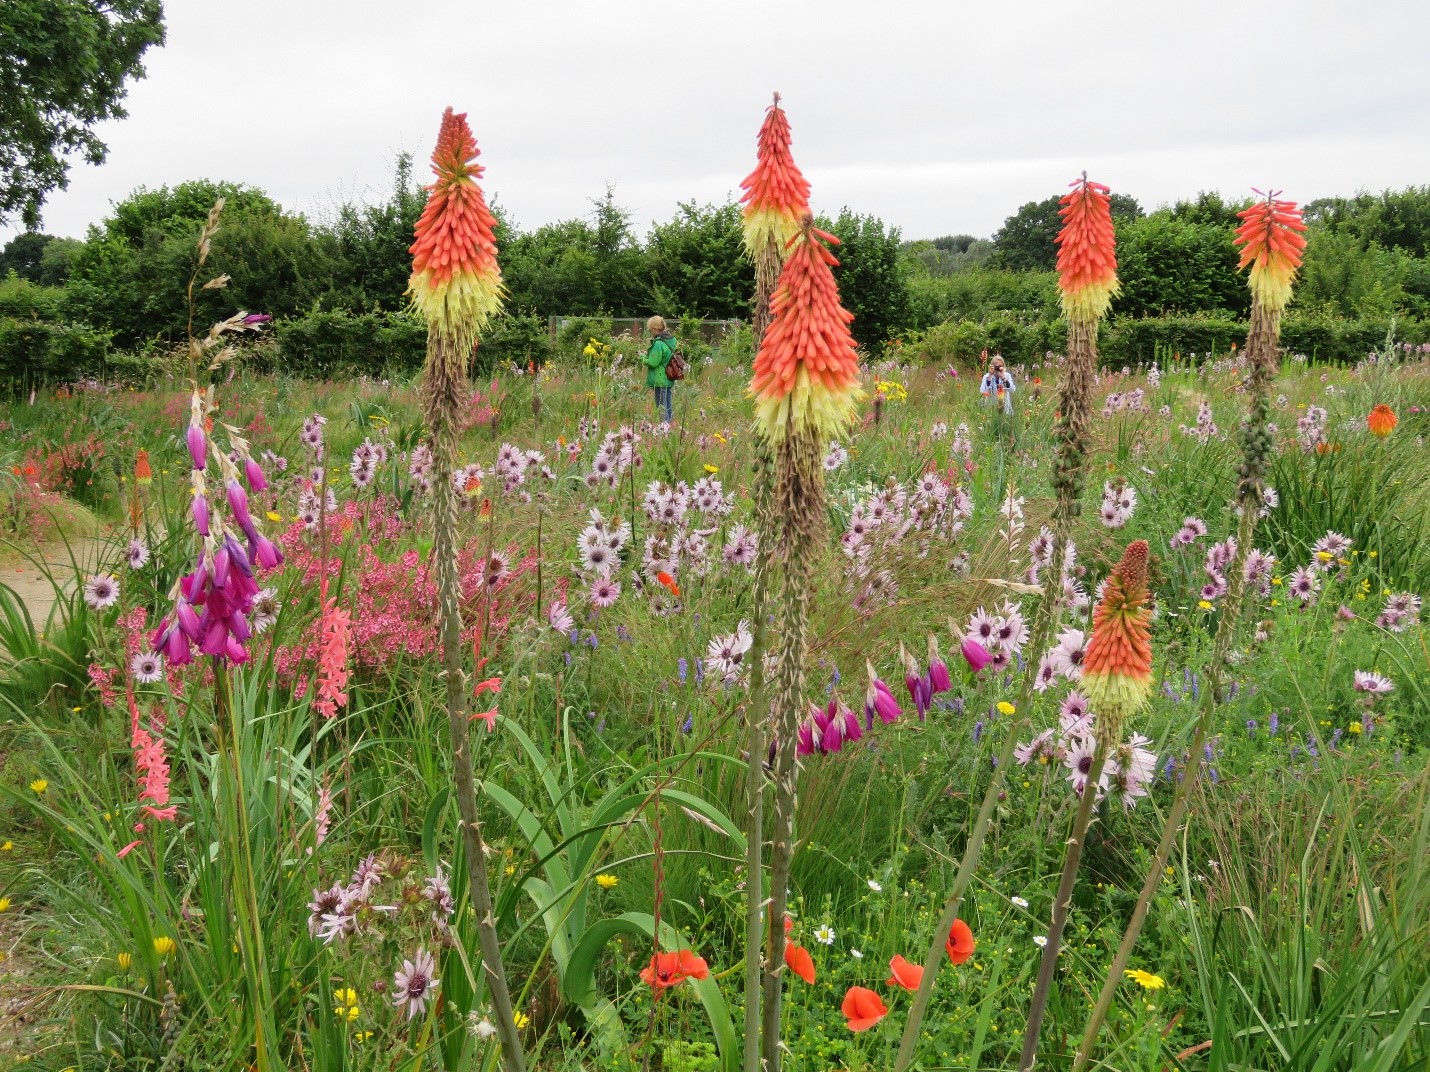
x=938, y=669
x=253, y=473
x=198, y=446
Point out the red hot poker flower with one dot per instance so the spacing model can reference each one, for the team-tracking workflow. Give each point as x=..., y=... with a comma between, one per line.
x=776, y=194
x=1117, y=668
x=1272, y=243
x=456, y=283
x=1087, y=251
x=806, y=375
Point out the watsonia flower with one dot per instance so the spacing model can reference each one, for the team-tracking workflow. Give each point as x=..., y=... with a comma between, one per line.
x=1117, y=669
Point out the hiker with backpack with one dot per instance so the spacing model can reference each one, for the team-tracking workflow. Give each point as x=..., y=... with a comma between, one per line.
x=664, y=365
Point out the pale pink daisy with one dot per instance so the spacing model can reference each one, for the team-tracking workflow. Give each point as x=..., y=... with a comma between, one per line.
x=413, y=983
x=101, y=591
x=1373, y=683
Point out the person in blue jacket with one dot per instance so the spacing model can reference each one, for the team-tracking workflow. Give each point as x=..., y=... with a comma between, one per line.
x=997, y=385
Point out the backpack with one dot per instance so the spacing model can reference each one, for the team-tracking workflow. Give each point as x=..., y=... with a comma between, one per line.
x=676, y=368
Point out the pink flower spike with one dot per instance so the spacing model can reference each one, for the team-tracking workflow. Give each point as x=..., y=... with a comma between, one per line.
x=975, y=653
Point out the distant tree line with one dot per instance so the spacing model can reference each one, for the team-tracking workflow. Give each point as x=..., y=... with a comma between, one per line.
x=335, y=286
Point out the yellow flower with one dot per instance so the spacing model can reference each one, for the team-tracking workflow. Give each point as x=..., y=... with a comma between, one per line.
x=345, y=1004
x=720, y=439
x=1355, y=727
x=361, y=1036
x=1146, y=980
x=1205, y=604
x=1006, y=708
x=1324, y=556
x=1275, y=580
x=520, y=1019
x=39, y=785
x=712, y=469
x=4, y=904
x=606, y=881
x=7, y=846
x=274, y=516
x=125, y=961
x=509, y=870
x=164, y=945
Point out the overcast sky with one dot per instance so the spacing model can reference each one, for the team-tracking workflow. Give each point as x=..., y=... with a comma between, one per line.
x=939, y=116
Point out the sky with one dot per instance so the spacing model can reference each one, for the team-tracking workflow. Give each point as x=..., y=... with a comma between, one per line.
x=939, y=117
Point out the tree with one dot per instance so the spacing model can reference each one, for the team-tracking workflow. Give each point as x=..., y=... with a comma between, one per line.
x=1027, y=241
x=131, y=273
x=1170, y=266
x=371, y=246
x=697, y=263
x=63, y=69
x=871, y=279
x=23, y=254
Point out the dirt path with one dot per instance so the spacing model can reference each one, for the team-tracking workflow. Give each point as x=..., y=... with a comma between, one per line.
x=32, y=584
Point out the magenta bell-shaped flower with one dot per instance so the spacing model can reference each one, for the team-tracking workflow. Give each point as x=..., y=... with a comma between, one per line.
x=976, y=655
x=878, y=700
x=198, y=446
x=262, y=551
x=938, y=669
x=201, y=514
x=253, y=473
x=238, y=504
x=804, y=745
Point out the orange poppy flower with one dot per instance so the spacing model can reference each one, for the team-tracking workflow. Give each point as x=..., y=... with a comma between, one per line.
x=668, y=582
x=960, y=942
x=1382, y=421
x=800, y=962
x=862, y=1008
x=670, y=969
x=906, y=975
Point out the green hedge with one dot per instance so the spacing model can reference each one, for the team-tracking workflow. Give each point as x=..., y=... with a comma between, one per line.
x=1141, y=340
x=40, y=351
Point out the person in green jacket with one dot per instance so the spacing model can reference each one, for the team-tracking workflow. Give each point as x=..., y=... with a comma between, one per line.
x=662, y=349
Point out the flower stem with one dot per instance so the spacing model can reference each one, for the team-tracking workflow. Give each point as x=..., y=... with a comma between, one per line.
x=1062, y=904
x=444, y=557
x=756, y=745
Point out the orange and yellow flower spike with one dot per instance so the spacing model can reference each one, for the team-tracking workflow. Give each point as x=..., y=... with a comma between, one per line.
x=1272, y=242
x=776, y=194
x=1117, y=669
x=1087, y=252
x=456, y=284
x=806, y=375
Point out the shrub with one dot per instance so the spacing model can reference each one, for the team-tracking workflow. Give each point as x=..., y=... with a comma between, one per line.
x=39, y=351
x=324, y=342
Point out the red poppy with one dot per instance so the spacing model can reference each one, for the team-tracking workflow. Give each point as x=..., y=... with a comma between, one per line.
x=960, y=942
x=800, y=962
x=862, y=1008
x=670, y=969
x=669, y=582
x=906, y=975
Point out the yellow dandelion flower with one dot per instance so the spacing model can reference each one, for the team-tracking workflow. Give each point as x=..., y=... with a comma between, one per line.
x=521, y=1020
x=39, y=785
x=509, y=870
x=607, y=881
x=1354, y=727
x=345, y=1004
x=274, y=516
x=125, y=961
x=5, y=903
x=712, y=469
x=165, y=946
x=1146, y=980
x=7, y=846
x=1205, y=604
x=1006, y=708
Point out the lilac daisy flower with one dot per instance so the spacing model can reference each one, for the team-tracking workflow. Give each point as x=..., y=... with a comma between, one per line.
x=146, y=667
x=101, y=591
x=137, y=556
x=413, y=983
x=604, y=592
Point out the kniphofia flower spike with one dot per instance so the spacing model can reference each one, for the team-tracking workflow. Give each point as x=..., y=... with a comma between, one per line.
x=1087, y=251
x=1272, y=242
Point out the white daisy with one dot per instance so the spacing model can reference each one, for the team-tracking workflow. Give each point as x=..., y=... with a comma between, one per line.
x=824, y=934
